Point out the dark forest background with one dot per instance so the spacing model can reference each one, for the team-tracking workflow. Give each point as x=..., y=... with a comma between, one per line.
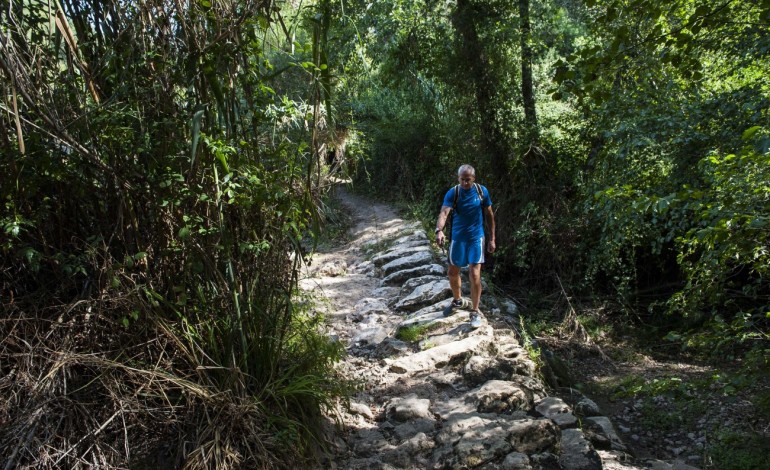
x=163, y=172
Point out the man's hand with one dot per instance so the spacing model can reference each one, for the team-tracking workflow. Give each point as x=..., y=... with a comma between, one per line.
x=491, y=246
x=440, y=238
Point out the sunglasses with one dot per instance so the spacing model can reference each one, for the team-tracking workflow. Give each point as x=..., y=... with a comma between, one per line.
x=466, y=180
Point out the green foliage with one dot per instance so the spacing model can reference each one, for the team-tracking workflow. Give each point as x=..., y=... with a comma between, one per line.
x=173, y=158
x=634, y=386
x=728, y=238
x=593, y=325
x=412, y=333
x=336, y=222
x=291, y=379
x=530, y=345
x=762, y=402
x=164, y=167
x=661, y=420
x=672, y=190
x=734, y=451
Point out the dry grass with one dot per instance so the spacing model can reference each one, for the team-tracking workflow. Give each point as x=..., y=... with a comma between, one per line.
x=81, y=392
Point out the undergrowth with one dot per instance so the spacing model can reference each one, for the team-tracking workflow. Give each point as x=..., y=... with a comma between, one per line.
x=169, y=391
x=336, y=222
x=666, y=402
x=731, y=450
x=412, y=333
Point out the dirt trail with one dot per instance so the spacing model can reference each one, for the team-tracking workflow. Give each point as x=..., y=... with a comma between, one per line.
x=437, y=393
x=332, y=273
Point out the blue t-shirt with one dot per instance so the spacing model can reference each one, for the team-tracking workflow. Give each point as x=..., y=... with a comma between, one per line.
x=468, y=221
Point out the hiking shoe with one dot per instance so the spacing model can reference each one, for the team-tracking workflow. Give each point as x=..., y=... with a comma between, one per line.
x=476, y=317
x=456, y=304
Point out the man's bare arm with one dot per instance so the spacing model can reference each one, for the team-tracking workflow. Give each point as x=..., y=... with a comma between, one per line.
x=442, y=216
x=490, y=220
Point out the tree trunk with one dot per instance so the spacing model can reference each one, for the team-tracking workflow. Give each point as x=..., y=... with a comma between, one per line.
x=472, y=53
x=527, y=91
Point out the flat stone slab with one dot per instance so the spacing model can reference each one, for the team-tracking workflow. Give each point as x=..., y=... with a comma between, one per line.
x=411, y=284
x=431, y=309
x=400, y=252
x=603, y=428
x=408, y=408
x=373, y=336
x=577, y=453
x=403, y=275
x=411, y=232
x=439, y=356
x=558, y=411
x=411, y=261
x=433, y=341
x=369, y=306
x=425, y=294
x=454, y=326
x=425, y=318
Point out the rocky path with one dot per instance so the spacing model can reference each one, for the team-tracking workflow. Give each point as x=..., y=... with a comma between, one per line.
x=438, y=393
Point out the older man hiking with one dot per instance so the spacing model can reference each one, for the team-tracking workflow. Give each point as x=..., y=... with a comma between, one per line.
x=472, y=207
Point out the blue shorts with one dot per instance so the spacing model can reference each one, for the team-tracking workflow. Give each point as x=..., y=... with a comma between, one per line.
x=462, y=254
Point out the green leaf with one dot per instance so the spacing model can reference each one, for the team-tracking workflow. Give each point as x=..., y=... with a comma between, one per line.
x=222, y=157
x=196, y=134
x=750, y=132
x=701, y=11
x=197, y=266
x=673, y=336
x=184, y=233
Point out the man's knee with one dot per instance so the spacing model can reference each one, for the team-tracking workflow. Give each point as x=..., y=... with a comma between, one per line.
x=474, y=271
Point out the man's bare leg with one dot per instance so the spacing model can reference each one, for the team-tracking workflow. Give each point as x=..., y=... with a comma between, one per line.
x=455, y=283
x=474, y=273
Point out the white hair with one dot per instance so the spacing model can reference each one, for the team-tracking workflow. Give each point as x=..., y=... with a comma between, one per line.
x=464, y=168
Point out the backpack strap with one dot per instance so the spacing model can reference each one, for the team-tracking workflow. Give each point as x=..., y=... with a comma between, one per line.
x=483, y=217
x=478, y=190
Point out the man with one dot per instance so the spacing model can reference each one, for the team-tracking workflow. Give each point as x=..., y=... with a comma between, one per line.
x=472, y=206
